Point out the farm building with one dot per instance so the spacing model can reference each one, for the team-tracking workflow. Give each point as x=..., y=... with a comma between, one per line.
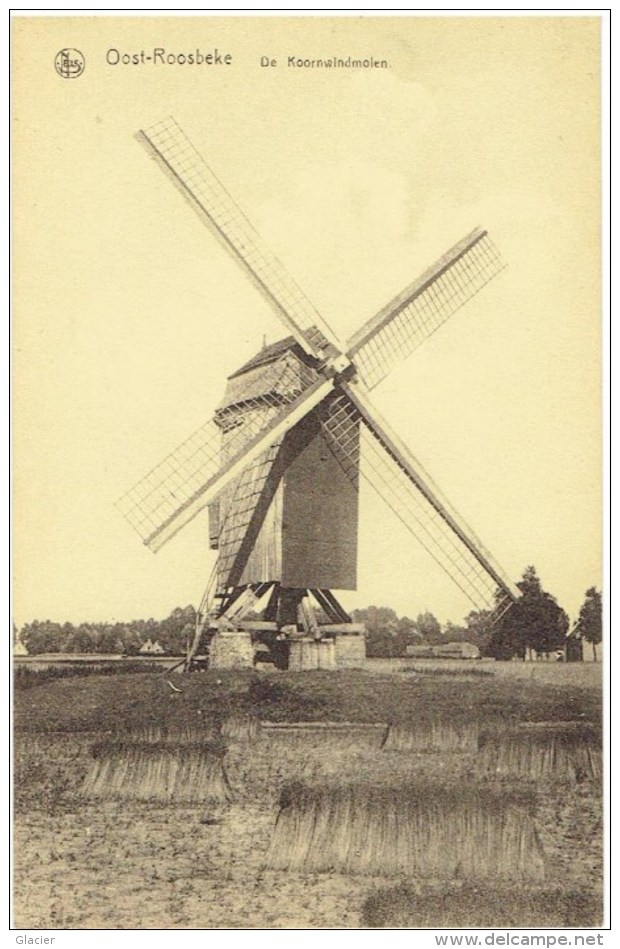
x=151, y=649
x=423, y=651
x=463, y=650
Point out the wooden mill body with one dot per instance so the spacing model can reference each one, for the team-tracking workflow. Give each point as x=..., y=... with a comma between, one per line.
x=292, y=516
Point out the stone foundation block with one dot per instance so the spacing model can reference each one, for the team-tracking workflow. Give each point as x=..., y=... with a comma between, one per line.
x=350, y=651
x=231, y=650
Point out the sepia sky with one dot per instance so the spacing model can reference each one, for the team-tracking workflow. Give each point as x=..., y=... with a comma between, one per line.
x=128, y=316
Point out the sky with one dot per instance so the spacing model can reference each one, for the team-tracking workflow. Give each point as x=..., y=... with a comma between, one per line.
x=128, y=316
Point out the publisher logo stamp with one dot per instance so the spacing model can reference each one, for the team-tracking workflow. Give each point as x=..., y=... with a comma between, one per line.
x=69, y=63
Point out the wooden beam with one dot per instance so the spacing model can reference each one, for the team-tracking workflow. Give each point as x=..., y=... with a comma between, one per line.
x=228, y=599
x=195, y=644
x=334, y=610
x=406, y=296
x=308, y=616
x=250, y=595
x=324, y=604
x=270, y=613
x=235, y=247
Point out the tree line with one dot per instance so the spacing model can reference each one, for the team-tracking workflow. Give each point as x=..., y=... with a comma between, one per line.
x=126, y=638
x=536, y=624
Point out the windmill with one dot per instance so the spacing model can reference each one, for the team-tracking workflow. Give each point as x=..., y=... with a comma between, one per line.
x=278, y=465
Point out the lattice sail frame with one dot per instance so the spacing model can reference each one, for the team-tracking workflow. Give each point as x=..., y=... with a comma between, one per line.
x=384, y=472
x=181, y=476
x=418, y=312
x=191, y=174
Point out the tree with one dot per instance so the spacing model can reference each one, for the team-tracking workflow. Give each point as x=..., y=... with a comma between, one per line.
x=42, y=637
x=78, y=641
x=479, y=630
x=405, y=634
x=429, y=628
x=591, y=618
x=381, y=630
x=111, y=641
x=387, y=636
x=172, y=632
x=534, y=623
x=132, y=640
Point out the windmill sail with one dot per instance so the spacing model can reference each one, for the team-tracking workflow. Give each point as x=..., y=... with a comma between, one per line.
x=404, y=485
x=188, y=479
x=237, y=458
x=190, y=173
x=416, y=313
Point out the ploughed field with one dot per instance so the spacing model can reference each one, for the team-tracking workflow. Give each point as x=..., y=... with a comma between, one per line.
x=138, y=806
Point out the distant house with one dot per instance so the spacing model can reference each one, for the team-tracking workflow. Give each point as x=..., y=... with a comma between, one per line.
x=462, y=650
x=19, y=649
x=151, y=649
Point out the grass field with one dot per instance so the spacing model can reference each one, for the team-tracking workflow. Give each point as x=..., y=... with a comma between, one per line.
x=85, y=863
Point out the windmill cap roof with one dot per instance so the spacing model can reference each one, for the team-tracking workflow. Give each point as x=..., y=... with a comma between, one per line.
x=269, y=354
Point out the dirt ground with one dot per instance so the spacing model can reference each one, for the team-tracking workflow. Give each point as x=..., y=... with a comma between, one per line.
x=123, y=868
x=82, y=864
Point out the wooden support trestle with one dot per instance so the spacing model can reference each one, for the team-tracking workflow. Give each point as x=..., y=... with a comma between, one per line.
x=287, y=609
